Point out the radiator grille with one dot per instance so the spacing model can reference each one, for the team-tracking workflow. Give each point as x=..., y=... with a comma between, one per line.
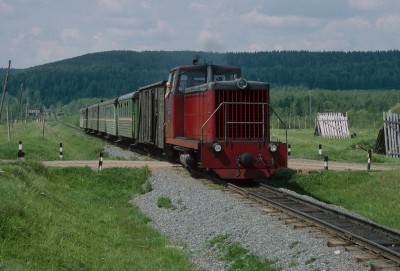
x=242, y=115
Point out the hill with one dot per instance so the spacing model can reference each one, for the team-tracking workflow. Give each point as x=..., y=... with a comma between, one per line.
x=112, y=73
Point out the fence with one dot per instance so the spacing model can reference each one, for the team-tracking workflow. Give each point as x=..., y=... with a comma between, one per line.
x=391, y=127
x=332, y=125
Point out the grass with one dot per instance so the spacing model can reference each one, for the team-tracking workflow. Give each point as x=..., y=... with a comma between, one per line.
x=239, y=258
x=165, y=202
x=76, y=145
x=73, y=218
x=353, y=150
x=77, y=219
x=373, y=194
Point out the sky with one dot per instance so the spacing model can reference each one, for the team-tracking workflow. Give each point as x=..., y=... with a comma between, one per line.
x=36, y=32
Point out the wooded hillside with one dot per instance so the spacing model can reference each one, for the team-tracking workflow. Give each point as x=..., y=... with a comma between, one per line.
x=109, y=74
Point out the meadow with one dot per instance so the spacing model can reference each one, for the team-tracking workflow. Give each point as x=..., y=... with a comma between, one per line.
x=78, y=219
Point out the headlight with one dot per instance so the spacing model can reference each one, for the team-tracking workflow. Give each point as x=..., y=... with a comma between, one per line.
x=273, y=147
x=241, y=83
x=217, y=147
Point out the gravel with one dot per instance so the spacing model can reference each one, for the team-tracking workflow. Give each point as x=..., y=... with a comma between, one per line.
x=203, y=212
x=116, y=152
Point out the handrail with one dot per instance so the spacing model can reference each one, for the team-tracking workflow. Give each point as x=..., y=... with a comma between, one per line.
x=263, y=122
x=281, y=121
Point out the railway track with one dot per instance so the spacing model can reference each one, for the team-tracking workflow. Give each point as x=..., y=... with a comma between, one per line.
x=382, y=241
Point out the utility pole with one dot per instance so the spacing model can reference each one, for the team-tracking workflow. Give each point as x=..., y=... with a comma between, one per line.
x=4, y=88
x=309, y=93
x=20, y=102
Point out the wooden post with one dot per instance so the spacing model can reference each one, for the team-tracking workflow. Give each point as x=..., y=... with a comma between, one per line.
x=61, y=151
x=101, y=161
x=369, y=159
x=44, y=116
x=8, y=127
x=5, y=88
x=20, y=152
x=326, y=159
x=19, y=103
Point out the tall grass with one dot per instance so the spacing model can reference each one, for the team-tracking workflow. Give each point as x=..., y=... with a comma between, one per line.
x=39, y=146
x=77, y=219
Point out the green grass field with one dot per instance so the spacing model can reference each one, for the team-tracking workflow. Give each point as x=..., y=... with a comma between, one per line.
x=73, y=218
x=41, y=146
x=77, y=219
x=305, y=144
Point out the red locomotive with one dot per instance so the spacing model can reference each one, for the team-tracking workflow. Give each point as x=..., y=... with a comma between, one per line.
x=208, y=116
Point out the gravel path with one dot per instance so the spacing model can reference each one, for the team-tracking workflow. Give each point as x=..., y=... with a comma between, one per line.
x=202, y=213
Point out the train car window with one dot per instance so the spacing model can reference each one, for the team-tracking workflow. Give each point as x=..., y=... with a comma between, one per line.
x=191, y=78
x=226, y=74
x=183, y=82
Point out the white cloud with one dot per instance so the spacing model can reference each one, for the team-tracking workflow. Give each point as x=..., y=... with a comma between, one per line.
x=348, y=25
x=256, y=25
x=18, y=40
x=70, y=35
x=111, y=5
x=389, y=24
x=6, y=8
x=103, y=43
x=36, y=31
x=365, y=4
x=210, y=41
x=255, y=17
x=48, y=51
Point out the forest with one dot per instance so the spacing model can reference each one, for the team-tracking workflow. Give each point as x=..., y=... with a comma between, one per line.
x=330, y=81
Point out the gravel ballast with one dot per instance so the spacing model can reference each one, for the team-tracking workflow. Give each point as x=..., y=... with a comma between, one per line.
x=203, y=212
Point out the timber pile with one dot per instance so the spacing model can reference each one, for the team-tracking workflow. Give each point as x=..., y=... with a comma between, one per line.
x=332, y=125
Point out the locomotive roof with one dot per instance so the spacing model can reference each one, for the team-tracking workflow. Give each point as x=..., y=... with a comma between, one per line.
x=202, y=66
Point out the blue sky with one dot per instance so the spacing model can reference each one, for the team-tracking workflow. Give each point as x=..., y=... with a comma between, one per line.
x=35, y=32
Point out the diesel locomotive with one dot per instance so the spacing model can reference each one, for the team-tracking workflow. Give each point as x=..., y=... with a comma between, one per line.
x=207, y=116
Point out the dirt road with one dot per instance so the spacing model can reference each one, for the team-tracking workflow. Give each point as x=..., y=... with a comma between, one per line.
x=296, y=164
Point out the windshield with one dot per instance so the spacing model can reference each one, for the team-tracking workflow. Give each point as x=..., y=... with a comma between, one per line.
x=199, y=75
x=221, y=74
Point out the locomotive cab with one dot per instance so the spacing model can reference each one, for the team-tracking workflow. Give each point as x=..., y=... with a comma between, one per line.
x=216, y=119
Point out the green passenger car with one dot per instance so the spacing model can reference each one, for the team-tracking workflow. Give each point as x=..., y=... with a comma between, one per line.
x=128, y=116
x=93, y=117
x=83, y=120
x=108, y=117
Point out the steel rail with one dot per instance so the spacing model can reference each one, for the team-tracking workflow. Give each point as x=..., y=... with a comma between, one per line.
x=346, y=226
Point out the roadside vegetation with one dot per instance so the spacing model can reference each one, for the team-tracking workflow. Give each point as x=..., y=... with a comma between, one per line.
x=73, y=218
x=304, y=144
x=77, y=219
x=238, y=257
x=372, y=194
x=41, y=144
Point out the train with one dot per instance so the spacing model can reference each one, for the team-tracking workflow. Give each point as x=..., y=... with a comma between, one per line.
x=204, y=116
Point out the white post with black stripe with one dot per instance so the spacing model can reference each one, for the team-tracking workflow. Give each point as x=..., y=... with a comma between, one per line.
x=326, y=160
x=320, y=149
x=20, y=152
x=101, y=161
x=61, y=151
x=369, y=159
